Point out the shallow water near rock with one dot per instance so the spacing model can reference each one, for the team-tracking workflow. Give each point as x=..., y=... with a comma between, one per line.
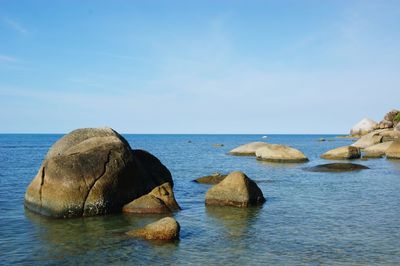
x=309, y=218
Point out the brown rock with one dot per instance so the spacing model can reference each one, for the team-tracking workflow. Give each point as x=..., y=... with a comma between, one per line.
x=280, y=154
x=377, y=150
x=165, y=229
x=92, y=171
x=248, y=149
x=160, y=200
x=342, y=153
x=369, y=140
x=235, y=190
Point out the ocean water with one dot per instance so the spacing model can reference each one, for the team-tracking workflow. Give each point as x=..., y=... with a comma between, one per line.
x=309, y=218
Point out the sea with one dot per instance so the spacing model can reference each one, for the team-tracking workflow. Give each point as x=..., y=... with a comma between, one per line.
x=309, y=218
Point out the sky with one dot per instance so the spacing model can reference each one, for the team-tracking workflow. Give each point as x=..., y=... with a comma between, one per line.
x=262, y=67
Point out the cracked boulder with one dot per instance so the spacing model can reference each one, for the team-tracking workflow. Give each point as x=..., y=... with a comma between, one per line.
x=92, y=171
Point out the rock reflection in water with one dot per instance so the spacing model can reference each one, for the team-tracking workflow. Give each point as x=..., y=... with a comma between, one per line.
x=237, y=222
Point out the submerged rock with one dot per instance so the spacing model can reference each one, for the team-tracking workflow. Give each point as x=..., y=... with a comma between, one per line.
x=210, y=179
x=165, y=229
x=363, y=127
x=160, y=200
x=218, y=145
x=393, y=152
x=92, y=171
x=342, y=153
x=280, y=153
x=377, y=150
x=337, y=167
x=235, y=190
x=248, y=149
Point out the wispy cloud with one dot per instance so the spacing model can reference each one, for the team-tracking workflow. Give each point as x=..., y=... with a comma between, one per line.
x=15, y=26
x=7, y=58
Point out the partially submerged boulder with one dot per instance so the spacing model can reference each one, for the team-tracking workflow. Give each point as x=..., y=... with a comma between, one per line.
x=248, y=149
x=280, y=153
x=160, y=200
x=235, y=190
x=92, y=171
x=368, y=140
x=337, y=167
x=342, y=153
x=393, y=152
x=377, y=150
x=214, y=178
x=165, y=229
x=363, y=127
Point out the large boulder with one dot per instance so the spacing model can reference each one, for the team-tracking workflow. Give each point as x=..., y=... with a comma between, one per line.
x=280, y=153
x=385, y=124
x=160, y=200
x=389, y=119
x=92, y=171
x=393, y=152
x=214, y=178
x=235, y=190
x=363, y=127
x=248, y=149
x=397, y=128
x=165, y=229
x=342, y=153
x=337, y=167
x=390, y=135
x=368, y=140
x=378, y=150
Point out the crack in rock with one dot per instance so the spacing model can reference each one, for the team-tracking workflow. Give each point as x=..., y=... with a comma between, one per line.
x=41, y=186
x=95, y=181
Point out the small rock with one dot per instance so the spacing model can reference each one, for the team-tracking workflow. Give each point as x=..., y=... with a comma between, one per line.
x=160, y=200
x=235, y=190
x=215, y=178
x=322, y=139
x=342, y=153
x=337, y=167
x=217, y=145
x=165, y=229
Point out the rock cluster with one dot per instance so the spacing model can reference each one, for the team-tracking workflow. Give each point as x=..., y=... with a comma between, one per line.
x=92, y=171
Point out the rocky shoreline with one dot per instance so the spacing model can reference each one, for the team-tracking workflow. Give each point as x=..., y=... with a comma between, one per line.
x=94, y=171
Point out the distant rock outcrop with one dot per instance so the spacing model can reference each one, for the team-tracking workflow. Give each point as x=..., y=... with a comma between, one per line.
x=92, y=171
x=363, y=127
x=235, y=190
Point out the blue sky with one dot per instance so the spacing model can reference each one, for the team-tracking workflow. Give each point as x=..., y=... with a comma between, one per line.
x=197, y=66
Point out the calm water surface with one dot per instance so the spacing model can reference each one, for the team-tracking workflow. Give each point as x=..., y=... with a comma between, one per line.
x=309, y=218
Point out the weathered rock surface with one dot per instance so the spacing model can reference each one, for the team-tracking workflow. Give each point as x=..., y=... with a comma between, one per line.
x=165, y=229
x=393, y=152
x=248, y=149
x=280, y=153
x=342, y=153
x=363, y=127
x=235, y=190
x=368, y=140
x=377, y=150
x=389, y=135
x=215, y=178
x=92, y=171
x=337, y=167
x=388, y=120
x=160, y=200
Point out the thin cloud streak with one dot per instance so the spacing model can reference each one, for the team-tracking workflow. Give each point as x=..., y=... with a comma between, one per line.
x=15, y=26
x=7, y=58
